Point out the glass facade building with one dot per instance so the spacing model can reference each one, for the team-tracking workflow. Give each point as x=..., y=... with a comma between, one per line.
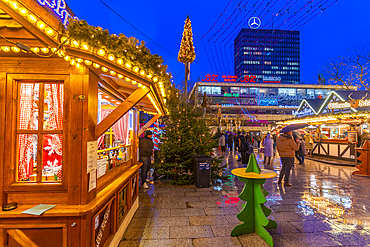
x=269, y=55
x=279, y=97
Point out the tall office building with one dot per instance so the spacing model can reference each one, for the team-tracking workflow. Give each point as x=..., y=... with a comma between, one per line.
x=267, y=56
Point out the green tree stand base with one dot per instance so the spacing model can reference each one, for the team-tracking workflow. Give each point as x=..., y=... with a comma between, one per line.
x=254, y=213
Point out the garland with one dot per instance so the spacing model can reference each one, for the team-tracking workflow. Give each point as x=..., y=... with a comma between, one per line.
x=352, y=115
x=128, y=49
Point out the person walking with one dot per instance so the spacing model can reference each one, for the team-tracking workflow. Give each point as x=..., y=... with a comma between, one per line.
x=239, y=139
x=248, y=138
x=245, y=150
x=274, y=139
x=230, y=140
x=286, y=147
x=146, y=146
x=259, y=139
x=365, y=136
x=297, y=137
x=309, y=144
x=302, y=151
x=222, y=142
x=268, y=144
x=226, y=137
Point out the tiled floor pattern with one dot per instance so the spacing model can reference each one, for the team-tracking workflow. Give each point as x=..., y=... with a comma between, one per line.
x=326, y=206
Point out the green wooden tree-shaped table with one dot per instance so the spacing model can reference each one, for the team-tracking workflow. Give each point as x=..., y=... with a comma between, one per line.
x=254, y=213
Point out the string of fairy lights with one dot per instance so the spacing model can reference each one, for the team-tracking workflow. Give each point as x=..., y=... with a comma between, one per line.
x=274, y=14
x=218, y=41
x=79, y=63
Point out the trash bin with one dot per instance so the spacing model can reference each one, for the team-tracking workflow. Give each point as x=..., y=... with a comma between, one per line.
x=202, y=171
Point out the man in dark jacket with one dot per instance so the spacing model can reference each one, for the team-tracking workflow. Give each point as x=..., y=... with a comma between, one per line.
x=239, y=139
x=245, y=149
x=230, y=140
x=146, y=146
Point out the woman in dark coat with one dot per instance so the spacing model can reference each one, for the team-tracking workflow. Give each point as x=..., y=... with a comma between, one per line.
x=230, y=140
x=245, y=150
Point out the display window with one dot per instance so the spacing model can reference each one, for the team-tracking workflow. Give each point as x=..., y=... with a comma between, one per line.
x=301, y=91
x=288, y=91
x=243, y=91
x=216, y=90
x=39, y=132
x=235, y=90
x=115, y=145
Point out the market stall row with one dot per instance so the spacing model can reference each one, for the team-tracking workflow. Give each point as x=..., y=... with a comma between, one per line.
x=338, y=125
x=69, y=126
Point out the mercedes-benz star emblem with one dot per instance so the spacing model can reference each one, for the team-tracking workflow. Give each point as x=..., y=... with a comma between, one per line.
x=254, y=22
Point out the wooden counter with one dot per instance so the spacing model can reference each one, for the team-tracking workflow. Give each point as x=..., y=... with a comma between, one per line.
x=75, y=210
x=75, y=223
x=334, y=140
x=335, y=148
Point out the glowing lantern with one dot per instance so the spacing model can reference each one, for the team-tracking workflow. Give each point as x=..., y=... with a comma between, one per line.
x=41, y=25
x=31, y=18
x=23, y=11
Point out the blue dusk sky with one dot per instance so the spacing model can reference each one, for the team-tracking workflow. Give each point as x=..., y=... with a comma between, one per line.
x=328, y=28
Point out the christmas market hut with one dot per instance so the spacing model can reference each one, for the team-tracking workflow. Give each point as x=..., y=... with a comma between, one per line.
x=70, y=98
x=337, y=123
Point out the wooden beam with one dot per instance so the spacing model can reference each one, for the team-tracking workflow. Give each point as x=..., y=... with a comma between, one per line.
x=149, y=123
x=29, y=26
x=21, y=238
x=121, y=110
x=103, y=62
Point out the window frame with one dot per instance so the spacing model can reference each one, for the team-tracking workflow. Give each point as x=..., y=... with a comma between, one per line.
x=11, y=183
x=40, y=132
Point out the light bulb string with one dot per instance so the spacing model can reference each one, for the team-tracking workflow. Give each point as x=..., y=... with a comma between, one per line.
x=30, y=50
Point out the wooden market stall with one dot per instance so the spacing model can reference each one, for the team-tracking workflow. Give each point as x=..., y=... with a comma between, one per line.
x=336, y=123
x=52, y=91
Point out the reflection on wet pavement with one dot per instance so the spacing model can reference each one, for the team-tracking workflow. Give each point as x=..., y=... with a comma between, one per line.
x=326, y=206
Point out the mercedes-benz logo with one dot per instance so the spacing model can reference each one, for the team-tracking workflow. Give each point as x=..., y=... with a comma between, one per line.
x=254, y=22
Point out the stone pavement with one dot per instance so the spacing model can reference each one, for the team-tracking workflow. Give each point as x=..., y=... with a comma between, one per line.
x=326, y=206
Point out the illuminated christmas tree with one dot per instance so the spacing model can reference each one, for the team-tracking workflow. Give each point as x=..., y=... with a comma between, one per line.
x=187, y=53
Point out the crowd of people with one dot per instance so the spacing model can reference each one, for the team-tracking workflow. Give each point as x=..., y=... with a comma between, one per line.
x=290, y=146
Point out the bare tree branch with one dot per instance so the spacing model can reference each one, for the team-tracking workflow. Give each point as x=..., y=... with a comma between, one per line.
x=351, y=69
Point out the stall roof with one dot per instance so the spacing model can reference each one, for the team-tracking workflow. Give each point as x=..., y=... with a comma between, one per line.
x=38, y=28
x=320, y=106
x=347, y=95
x=315, y=103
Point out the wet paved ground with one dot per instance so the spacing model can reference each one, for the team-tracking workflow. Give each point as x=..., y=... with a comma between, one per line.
x=326, y=206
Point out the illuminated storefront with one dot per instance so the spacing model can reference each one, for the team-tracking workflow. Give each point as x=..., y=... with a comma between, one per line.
x=336, y=123
x=256, y=105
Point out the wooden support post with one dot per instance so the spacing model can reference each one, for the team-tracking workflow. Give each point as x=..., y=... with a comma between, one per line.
x=135, y=142
x=121, y=110
x=2, y=136
x=149, y=123
x=21, y=238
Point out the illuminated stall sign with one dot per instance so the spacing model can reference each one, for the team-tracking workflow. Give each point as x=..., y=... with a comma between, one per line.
x=338, y=105
x=271, y=79
x=231, y=95
x=283, y=96
x=304, y=112
x=231, y=78
x=348, y=104
x=280, y=100
x=247, y=78
x=60, y=8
